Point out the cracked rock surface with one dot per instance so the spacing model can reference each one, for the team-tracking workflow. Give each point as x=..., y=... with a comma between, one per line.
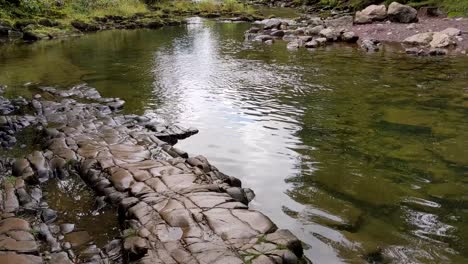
x=173, y=208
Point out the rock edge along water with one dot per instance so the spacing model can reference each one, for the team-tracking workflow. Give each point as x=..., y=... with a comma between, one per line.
x=175, y=208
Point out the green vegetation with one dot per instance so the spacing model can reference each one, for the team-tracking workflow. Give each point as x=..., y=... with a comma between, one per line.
x=86, y=9
x=10, y=179
x=204, y=7
x=48, y=19
x=68, y=9
x=129, y=232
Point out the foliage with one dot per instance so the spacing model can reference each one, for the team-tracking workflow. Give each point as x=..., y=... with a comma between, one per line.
x=204, y=6
x=69, y=8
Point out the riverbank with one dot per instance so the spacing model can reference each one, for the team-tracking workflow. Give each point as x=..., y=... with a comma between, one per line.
x=172, y=208
x=397, y=33
x=58, y=21
x=418, y=33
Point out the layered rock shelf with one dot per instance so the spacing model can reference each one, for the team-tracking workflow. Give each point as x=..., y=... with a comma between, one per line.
x=172, y=208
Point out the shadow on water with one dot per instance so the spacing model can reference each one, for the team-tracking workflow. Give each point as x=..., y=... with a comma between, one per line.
x=363, y=156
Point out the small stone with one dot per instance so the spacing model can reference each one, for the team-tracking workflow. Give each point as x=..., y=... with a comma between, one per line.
x=66, y=245
x=48, y=215
x=67, y=228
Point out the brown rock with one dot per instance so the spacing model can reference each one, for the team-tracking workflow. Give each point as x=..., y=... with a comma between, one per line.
x=122, y=179
x=11, y=203
x=10, y=244
x=20, y=235
x=10, y=224
x=13, y=258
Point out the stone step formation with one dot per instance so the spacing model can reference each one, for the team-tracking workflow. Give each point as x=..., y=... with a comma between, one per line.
x=173, y=208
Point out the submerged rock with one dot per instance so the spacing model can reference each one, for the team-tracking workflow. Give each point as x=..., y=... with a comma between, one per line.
x=77, y=239
x=48, y=215
x=370, y=45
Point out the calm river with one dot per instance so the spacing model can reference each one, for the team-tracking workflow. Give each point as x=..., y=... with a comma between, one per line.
x=363, y=156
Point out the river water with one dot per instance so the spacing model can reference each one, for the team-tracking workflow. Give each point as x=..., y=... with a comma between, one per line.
x=363, y=156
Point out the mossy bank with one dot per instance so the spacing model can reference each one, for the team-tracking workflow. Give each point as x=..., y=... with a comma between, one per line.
x=34, y=20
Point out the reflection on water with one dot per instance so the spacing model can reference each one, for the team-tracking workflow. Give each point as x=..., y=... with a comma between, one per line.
x=363, y=156
x=77, y=204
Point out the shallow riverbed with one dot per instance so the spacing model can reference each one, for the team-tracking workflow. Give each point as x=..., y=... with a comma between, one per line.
x=363, y=156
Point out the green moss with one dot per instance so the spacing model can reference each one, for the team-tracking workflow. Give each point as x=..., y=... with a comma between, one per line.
x=10, y=179
x=129, y=232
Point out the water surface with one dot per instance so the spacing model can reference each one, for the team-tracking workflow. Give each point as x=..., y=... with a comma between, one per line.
x=363, y=156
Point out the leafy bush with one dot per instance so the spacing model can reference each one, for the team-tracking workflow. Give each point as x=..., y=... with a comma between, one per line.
x=70, y=8
x=208, y=6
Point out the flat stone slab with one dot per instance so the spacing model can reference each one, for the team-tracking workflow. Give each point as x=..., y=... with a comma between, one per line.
x=177, y=209
x=14, y=258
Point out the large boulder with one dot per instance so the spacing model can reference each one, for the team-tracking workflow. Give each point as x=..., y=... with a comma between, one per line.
x=314, y=21
x=371, y=13
x=349, y=36
x=277, y=33
x=452, y=32
x=5, y=27
x=421, y=39
x=34, y=35
x=314, y=30
x=441, y=40
x=84, y=27
x=402, y=13
x=341, y=23
x=274, y=23
x=330, y=34
x=311, y=44
x=370, y=45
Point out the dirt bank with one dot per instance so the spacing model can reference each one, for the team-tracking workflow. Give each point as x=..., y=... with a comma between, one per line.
x=397, y=32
